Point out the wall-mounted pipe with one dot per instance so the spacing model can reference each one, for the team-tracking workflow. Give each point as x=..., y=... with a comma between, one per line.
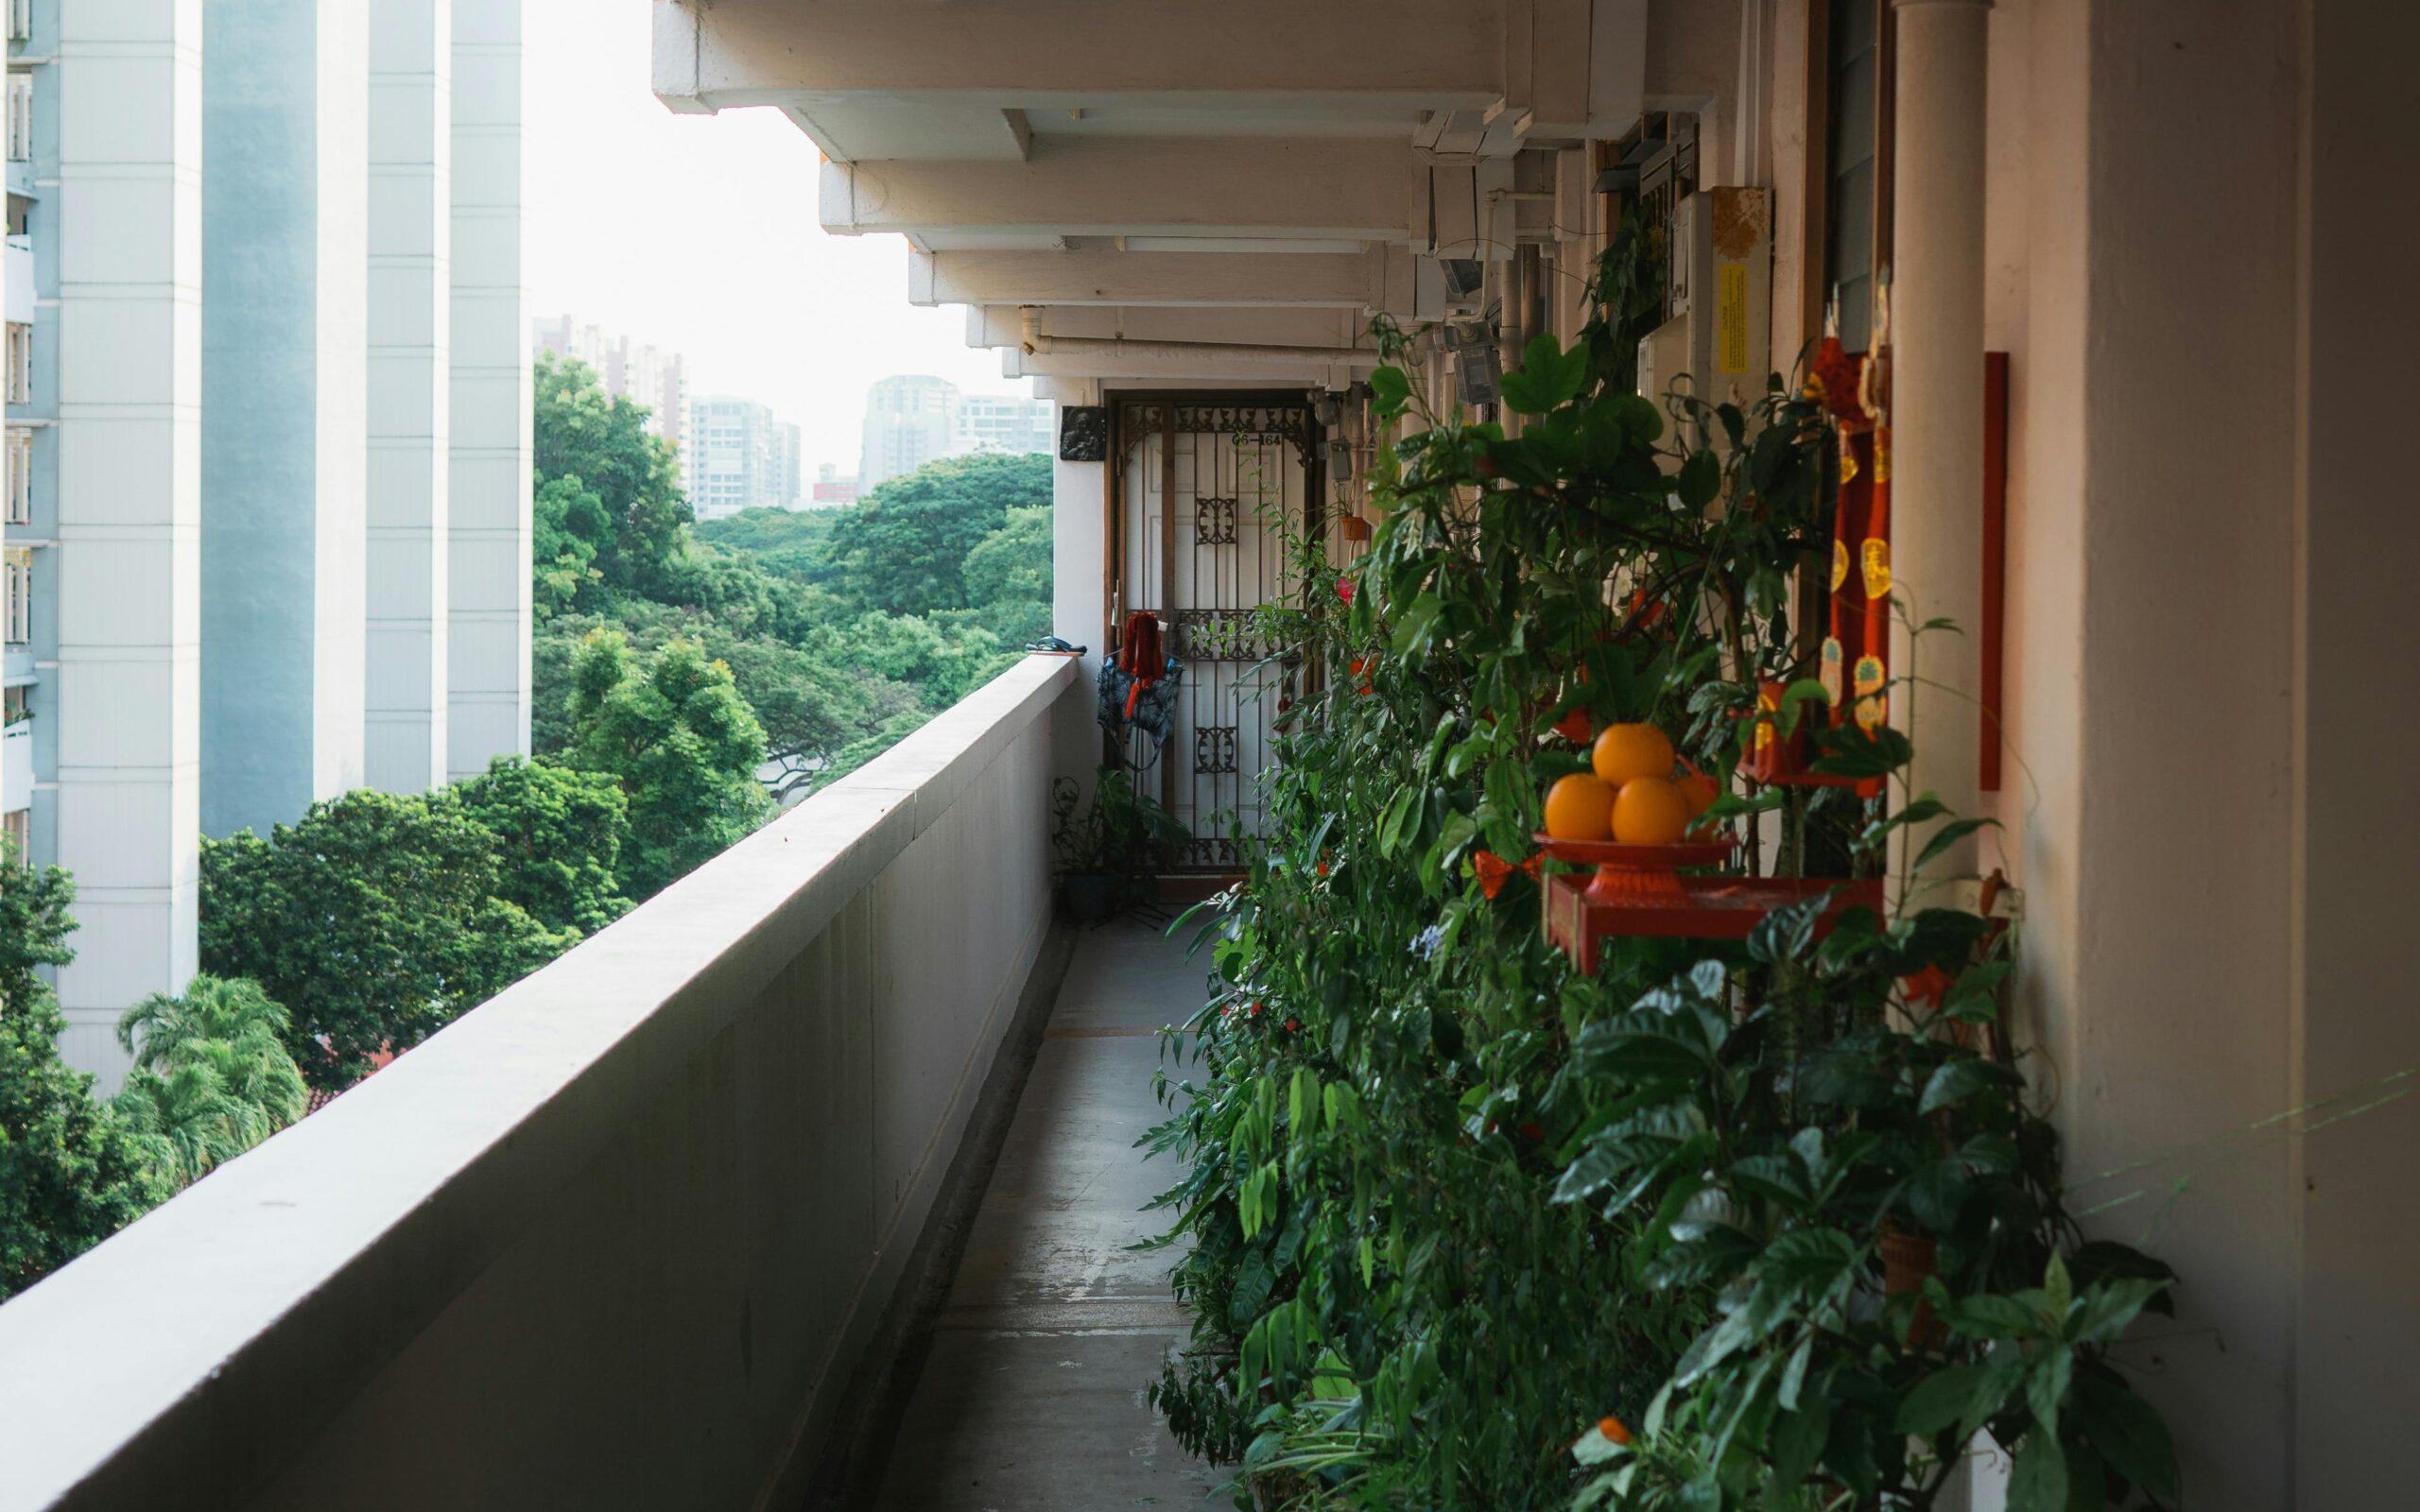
x=1038, y=343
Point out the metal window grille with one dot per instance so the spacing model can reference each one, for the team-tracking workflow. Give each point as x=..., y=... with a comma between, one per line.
x=20, y=117
x=21, y=478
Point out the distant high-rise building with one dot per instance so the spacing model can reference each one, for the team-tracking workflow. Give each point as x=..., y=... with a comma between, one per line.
x=913, y=419
x=1004, y=422
x=741, y=457
x=635, y=370
x=910, y=421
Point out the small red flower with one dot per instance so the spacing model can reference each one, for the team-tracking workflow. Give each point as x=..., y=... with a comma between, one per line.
x=1612, y=1428
x=1345, y=589
x=1574, y=727
x=1293, y=1025
x=1255, y=1010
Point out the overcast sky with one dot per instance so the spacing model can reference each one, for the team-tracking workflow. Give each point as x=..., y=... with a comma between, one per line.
x=699, y=233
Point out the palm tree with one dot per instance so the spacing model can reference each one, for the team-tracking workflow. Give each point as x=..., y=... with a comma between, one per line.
x=212, y=1077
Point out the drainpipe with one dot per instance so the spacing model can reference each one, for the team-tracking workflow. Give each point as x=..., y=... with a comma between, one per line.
x=1937, y=403
x=1203, y=352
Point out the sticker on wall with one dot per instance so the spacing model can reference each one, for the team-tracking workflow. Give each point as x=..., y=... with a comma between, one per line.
x=1828, y=669
x=1877, y=568
x=1840, y=565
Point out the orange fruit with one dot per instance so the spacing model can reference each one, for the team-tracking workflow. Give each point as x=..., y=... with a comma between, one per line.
x=1700, y=791
x=1578, y=807
x=1649, y=811
x=1627, y=751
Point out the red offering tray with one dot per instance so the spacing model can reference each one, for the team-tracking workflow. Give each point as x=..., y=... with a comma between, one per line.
x=1638, y=873
x=1638, y=891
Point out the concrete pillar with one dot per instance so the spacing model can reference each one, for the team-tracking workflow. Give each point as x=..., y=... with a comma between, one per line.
x=411, y=155
x=1937, y=399
x=1080, y=607
x=2357, y=1343
x=283, y=444
x=129, y=208
x=488, y=614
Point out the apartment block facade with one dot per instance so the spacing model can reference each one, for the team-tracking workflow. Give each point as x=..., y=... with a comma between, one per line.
x=629, y=369
x=265, y=491
x=914, y=418
x=740, y=456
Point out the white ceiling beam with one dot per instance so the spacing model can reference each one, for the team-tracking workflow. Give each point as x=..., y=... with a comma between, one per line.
x=1108, y=186
x=1169, y=367
x=1070, y=54
x=1003, y=325
x=1099, y=276
x=1020, y=133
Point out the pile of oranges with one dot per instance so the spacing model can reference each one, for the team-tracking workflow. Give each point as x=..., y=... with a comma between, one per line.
x=1632, y=795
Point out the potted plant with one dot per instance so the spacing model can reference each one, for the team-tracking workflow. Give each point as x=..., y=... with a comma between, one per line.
x=1105, y=849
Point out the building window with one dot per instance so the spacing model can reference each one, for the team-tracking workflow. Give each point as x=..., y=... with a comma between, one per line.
x=21, y=478
x=20, y=364
x=20, y=115
x=16, y=705
x=17, y=580
x=17, y=828
x=21, y=20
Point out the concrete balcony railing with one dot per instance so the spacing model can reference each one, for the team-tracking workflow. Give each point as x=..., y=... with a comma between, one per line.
x=621, y=1237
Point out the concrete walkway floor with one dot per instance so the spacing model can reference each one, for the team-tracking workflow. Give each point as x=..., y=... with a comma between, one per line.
x=1031, y=1398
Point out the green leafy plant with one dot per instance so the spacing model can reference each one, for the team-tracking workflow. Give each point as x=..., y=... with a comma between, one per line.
x=1446, y=1204
x=1123, y=833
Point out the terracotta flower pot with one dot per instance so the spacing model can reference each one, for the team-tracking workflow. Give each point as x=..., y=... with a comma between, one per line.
x=1908, y=1260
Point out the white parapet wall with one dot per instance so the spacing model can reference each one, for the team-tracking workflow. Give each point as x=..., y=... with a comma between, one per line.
x=617, y=1238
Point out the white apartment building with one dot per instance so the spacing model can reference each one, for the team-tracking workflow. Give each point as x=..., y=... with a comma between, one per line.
x=910, y=421
x=913, y=419
x=629, y=369
x=265, y=491
x=1004, y=422
x=740, y=456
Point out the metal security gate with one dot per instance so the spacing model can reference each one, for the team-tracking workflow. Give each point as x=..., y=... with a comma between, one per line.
x=1209, y=486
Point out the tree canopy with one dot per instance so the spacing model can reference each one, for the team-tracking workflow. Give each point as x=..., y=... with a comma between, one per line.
x=557, y=836
x=674, y=732
x=71, y=1175
x=600, y=445
x=903, y=548
x=378, y=919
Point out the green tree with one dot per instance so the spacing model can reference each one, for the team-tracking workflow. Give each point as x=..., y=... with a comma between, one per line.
x=70, y=1173
x=1009, y=577
x=601, y=443
x=557, y=836
x=212, y=1076
x=943, y=658
x=675, y=733
x=791, y=543
x=903, y=549
x=379, y=918
x=568, y=523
